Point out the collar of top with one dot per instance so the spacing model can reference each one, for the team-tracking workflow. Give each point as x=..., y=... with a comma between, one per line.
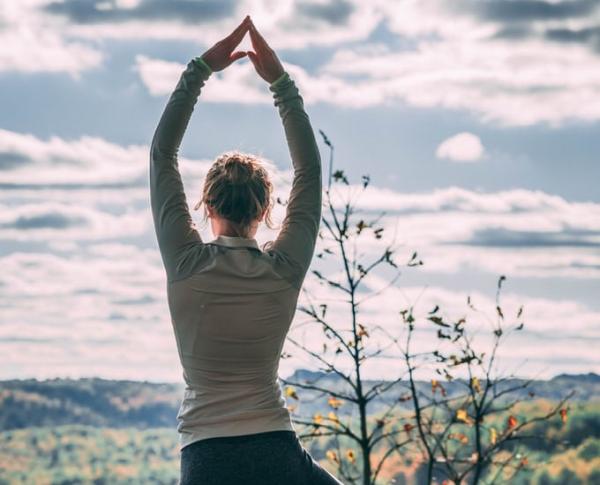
x=235, y=242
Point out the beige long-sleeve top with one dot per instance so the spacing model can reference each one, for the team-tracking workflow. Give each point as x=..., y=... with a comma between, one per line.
x=231, y=301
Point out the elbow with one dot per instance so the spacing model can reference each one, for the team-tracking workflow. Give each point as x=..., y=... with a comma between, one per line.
x=157, y=155
x=154, y=150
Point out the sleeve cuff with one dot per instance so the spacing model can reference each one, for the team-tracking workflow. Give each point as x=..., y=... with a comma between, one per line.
x=280, y=79
x=201, y=62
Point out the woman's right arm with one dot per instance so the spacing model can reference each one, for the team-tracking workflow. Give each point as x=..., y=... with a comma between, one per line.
x=298, y=236
x=297, y=239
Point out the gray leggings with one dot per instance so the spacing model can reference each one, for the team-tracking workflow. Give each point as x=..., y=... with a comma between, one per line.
x=269, y=458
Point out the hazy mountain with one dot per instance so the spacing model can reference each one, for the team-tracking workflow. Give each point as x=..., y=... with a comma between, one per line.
x=115, y=403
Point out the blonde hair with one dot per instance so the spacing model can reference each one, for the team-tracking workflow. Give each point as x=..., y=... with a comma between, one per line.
x=238, y=188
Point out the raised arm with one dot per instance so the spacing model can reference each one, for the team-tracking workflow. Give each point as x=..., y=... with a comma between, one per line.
x=173, y=223
x=172, y=220
x=300, y=227
x=297, y=239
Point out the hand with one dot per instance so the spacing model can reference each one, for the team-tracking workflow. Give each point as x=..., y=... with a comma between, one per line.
x=264, y=58
x=219, y=56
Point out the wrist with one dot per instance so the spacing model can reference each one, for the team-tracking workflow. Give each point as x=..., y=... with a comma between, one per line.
x=202, y=63
x=280, y=79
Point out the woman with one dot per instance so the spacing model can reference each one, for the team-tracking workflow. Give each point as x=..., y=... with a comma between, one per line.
x=231, y=301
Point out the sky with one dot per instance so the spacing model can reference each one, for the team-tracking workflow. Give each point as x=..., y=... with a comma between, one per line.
x=477, y=122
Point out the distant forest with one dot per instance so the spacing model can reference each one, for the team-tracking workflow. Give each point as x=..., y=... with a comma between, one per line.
x=64, y=431
x=122, y=404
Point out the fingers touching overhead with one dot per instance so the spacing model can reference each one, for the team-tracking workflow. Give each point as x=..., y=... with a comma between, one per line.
x=263, y=58
x=258, y=41
x=233, y=39
x=221, y=55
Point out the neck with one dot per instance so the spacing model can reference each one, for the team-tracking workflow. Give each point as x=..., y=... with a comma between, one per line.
x=234, y=235
x=223, y=227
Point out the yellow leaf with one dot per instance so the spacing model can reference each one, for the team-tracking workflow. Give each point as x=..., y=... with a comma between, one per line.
x=318, y=418
x=350, y=455
x=461, y=415
x=333, y=417
x=475, y=384
x=333, y=402
x=493, y=436
x=291, y=392
x=332, y=455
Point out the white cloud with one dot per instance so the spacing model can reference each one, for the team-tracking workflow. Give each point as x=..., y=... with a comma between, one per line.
x=462, y=147
x=444, y=56
x=510, y=84
x=457, y=61
x=90, y=188
x=104, y=291
x=160, y=77
x=86, y=161
x=555, y=329
x=538, y=263
x=50, y=221
x=80, y=313
x=110, y=296
x=515, y=84
x=32, y=44
x=239, y=83
x=45, y=51
x=517, y=232
x=279, y=22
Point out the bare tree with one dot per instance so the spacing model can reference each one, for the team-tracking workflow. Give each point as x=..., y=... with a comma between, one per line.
x=449, y=432
x=470, y=433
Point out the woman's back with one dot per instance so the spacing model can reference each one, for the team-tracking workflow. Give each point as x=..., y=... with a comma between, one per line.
x=230, y=319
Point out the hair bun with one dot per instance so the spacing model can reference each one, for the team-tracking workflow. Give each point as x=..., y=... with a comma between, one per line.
x=238, y=170
x=237, y=188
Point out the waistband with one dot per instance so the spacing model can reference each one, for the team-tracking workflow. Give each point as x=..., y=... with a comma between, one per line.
x=285, y=434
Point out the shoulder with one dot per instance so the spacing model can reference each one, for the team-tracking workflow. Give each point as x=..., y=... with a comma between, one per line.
x=283, y=265
x=191, y=259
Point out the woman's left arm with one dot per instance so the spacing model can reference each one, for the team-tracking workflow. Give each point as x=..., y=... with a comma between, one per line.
x=172, y=220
